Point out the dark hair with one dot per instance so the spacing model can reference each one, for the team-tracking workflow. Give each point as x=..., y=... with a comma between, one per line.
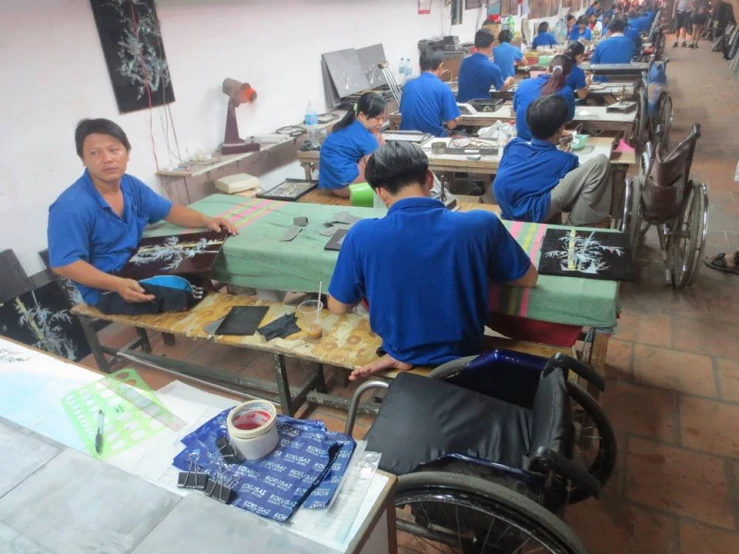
x=395, y=166
x=575, y=49
x=370, y=104
x=484, y=38
x=632, y=14
x=505, y=36
x=559, y=76
x=546, y=115
x=570, y=17
x=101, y=126
x=617, y=25
x=582, y=20
x=543, y=27
x=431, y=59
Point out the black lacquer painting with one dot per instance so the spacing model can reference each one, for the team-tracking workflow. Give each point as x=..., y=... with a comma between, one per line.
x=134, y=53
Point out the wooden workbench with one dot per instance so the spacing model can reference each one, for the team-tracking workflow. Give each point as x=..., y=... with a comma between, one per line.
x=592, y=119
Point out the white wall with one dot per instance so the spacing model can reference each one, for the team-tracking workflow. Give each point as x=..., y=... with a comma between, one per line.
x=53, y=74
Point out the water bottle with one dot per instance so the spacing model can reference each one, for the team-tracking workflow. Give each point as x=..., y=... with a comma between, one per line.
x=311, y=123
x=408, y=69
x=512, y=132
x=402, y=71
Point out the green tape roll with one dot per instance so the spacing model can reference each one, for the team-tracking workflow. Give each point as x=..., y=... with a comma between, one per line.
x=362, y=195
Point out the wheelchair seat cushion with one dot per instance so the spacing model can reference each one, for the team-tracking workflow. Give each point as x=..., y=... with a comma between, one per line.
x=423, y=420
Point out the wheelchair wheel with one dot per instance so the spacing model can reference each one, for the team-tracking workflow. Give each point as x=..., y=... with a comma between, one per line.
x=687, y=238
x=445, y=512
x=633, y=223
x=595, y=440
x=663, y=119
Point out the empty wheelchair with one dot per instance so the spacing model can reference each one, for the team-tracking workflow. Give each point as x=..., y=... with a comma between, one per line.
x=663, y=195
x=486, y=452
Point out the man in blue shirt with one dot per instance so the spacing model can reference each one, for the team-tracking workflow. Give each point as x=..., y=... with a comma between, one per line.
x=423, y=269
x=543, y=37
x=427, y=102
x=616, y=48
x=96, y=224
x=593, y=8
x=477, y=73
x=536, y=181
x=505, y=56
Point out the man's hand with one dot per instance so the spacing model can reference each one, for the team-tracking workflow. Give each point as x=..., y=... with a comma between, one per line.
x=509, y=82
x=588, y=79
x=218, y=223
x=385, y=363
x=131, y=291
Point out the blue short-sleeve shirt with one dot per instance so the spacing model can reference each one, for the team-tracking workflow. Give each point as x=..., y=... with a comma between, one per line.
x=576, y=34
x=544, y=39
x=83, y=226
x=476, y=75
x=527, y=173
x=576, y=79
x=340, y=154
x=615, y=49
x=426, y=104
x=425, y=272
x=505, y=57
x=528, y=91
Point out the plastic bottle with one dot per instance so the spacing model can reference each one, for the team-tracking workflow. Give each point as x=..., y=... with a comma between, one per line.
x=401, y=71
x=408, y=69
x=311, y=122
x=512, y=132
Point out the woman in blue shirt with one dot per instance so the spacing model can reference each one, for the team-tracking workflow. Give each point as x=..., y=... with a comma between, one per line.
x=552, y=82
x=354, y=137
x=505, y=56
x=577, y=80
x=581, y=30
x=544, y=37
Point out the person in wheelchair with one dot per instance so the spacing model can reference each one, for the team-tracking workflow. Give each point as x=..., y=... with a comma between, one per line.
x=536, y=181
x=424, y=270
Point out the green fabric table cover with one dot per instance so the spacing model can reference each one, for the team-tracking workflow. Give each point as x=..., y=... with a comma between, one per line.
x=256, y=258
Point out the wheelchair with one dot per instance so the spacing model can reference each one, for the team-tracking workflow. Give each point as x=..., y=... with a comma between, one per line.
x=663, y=195
x=654, y=122
x=489, y=450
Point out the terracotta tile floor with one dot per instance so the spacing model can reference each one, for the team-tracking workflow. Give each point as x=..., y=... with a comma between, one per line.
x=673, y=366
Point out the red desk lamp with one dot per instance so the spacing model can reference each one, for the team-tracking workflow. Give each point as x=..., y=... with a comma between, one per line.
x=238, y=93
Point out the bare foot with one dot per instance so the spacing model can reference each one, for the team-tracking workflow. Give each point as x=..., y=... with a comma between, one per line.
x=383, y=364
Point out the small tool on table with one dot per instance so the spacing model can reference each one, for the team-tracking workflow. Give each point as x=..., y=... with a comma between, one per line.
x=99, y=434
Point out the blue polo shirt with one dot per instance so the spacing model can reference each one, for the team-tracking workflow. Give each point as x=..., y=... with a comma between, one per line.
x=425, y=271
x=645, y=23
x=528, y=91
x=526, y=175
x=576, y=34
x=615, y=49
x=544, y=39
x=340, y=154
x=83, y=226
x=634, y=36
x=476, y=75
x=505, y=57
x=426, y=104
x=576, y=79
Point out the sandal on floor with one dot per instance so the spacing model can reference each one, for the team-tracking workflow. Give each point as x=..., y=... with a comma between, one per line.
x=719, y=263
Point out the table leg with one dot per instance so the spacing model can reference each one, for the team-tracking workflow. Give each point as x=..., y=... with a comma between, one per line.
x=308, y=169
x=283, y=386
x=143, y=339
x=94, y=342
x=320, y=378
x=598, y=354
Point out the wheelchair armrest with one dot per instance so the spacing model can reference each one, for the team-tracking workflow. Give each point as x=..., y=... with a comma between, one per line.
x=586, y=371
x=549, y=460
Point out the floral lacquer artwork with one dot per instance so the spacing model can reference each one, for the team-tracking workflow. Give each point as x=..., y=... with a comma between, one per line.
x=584, y=253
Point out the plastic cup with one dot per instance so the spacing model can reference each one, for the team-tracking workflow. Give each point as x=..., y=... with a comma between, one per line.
x=361, y=194
x=309, y=314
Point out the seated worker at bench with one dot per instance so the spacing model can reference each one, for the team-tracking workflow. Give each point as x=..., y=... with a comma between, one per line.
x=96, y=224
x=536, y=181
x=543, y=36
x=427, y=102
x=423, y=269
x=554, y=81
x=344, y=152
x=477, y=73
x=507, y=56
x=617, y=48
